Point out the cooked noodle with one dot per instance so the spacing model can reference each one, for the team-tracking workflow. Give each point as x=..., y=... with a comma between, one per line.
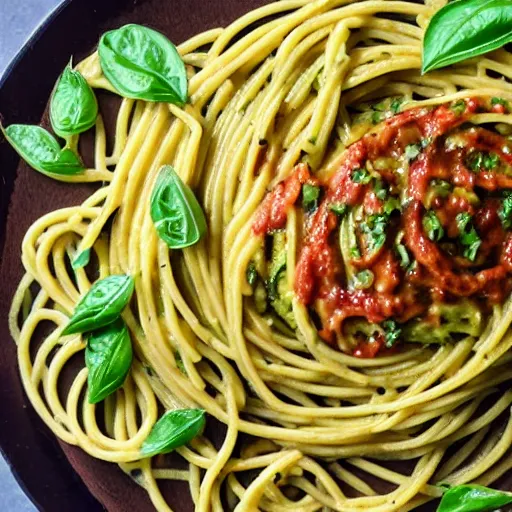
x=319, y=419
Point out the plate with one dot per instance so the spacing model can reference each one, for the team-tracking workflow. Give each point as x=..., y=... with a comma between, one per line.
x=54, y=475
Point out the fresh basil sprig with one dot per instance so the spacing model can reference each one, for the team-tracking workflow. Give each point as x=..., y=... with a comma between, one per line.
x=464, y=29
x=176, y=214
x=143, y=64
x=174, y=429
x=473, y=498
x=102, y=304
x=108, y=356
x=73, y=107
x=41, y=151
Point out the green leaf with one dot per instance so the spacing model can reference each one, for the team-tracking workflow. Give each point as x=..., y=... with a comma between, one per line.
x=468, y=236
x=102, y=304
x=479, y=161
x=396, y=104
x=465, y=29
x=173, y=430
x=175, y=211
x=41, y=150
x=473, y=498
x=441, y=188
x=432, y=226
x=499, y=101
x=143, y=64
x=73, y=107
x=108, y=356
x=458, y=108
x=392, y=332
x=310, y=195
x=380, y=189
x=81, y=259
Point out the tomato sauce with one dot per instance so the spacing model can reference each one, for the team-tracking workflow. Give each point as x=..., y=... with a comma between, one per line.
x=470, y=167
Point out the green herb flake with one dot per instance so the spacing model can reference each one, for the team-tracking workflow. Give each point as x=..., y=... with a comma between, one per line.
x=441, y=188
x=505, y=212
x=396, y=105
x=479, y=161
x=251, y=274
x=363, y=280
x=377, y=117
x=458, y=108
x=339, y=209
x=392, y=204
x=375, y=230
x=392, y=332
x=499, y=101
x=405, y=259
x=81, y=260
x=412, y=151
x=355, y=252
x=380, y=189
x=310, y=195
x=468, y=236
x=432, y=226
x=361, y=176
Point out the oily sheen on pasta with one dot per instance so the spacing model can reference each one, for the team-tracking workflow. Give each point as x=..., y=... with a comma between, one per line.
x=324, y=365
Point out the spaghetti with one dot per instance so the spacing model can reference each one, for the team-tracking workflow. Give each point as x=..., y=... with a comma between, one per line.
x=292, y=83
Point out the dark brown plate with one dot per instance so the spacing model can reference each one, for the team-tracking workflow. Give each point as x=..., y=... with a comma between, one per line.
x=54, y=474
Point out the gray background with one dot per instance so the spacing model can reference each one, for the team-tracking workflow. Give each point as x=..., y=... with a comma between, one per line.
x=18, y=19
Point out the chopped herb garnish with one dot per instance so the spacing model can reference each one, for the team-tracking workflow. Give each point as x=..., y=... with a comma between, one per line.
x=179, y=363
x=375, y=230
x=361, y=176
x=499, y=101
x=405, y=259
x=426, y=141
x=310, y=195
x=380, y=189
x=251, y=274
x=339, y=209
x=412, y=151
x=432, y=226
x=376, y=117
x=506, y=211
x=479, y=161
x=363, y=279
x=396, y=105
x=392, y=204
x=392, y=332
x=459, y=107
x=468, y=236
x=355, y=252
x=441, y=188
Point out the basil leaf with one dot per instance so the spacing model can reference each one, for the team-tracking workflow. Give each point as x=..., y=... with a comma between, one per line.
x=41, y=150
x=375, y=230
x=473, y=498
x=73, y=107
x=81, y=259
x=102, y=304
x=176, y=214
x=174, y=429
x=360, y=176
x=108, y=356
x=143, y=64
x=465, y=29
x=339, y=209
x=412, y=151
